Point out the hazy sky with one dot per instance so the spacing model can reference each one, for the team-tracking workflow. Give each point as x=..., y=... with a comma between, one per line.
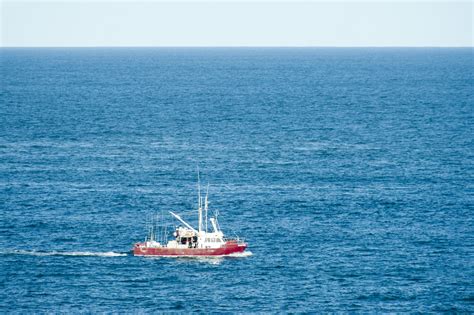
x=236, y=23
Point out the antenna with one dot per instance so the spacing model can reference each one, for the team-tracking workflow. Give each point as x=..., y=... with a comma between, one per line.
x=216, y=213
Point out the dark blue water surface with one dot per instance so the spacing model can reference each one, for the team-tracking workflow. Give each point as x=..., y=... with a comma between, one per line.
x=350, y=172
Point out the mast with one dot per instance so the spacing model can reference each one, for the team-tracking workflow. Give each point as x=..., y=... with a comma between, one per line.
x=199, y=204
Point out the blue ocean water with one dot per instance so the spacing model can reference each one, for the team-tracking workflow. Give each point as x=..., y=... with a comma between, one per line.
x=350, y=172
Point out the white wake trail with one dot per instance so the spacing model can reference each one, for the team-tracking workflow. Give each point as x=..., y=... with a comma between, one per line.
x=243, y=254
x=56, y=253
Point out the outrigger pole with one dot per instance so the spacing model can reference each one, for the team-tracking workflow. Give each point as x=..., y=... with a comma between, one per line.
x=182, y=221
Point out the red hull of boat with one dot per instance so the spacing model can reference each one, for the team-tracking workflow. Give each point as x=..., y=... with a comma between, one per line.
x=230, y=247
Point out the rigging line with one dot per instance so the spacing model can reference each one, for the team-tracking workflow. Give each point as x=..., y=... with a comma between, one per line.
x=188, y=211
x=162, y=231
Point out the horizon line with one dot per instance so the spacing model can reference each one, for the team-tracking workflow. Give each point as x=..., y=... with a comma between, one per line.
x=238, y=46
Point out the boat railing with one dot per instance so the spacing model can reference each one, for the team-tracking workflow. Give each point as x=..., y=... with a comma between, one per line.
x=237, y=239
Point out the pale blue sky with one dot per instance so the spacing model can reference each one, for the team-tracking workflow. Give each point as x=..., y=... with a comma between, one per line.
x=236, y=23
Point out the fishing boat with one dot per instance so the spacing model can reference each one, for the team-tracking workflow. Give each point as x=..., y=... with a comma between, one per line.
x=189, y=241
